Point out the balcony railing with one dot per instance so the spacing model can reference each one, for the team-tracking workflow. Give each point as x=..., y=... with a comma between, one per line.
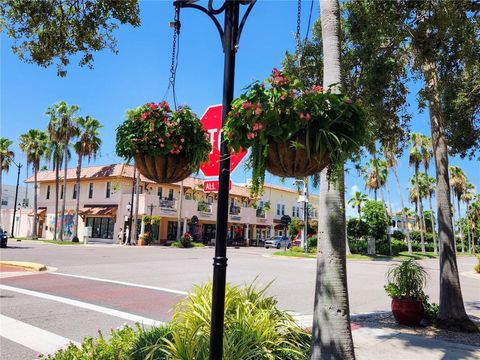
x=167, y=203
x=204, y=207
x=234, y=210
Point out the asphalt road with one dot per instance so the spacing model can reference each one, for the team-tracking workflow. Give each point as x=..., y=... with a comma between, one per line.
x=100, y=287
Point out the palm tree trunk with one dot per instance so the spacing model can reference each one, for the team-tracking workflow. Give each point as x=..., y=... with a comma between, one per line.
x=77, y=205
x=460, y=225
x=452, y=204
x=137, y=203
x=451, y=308
x=35, y=204
x=1, y=172
x=57, y=187
x=419, y=211
x=331, y=333
x=405, y=218
x=432, y=219
x=65, y=159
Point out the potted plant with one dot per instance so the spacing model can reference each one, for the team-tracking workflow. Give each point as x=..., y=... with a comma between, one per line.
x=167, y=145
x=186, y=240
x=405, y=286
x=293, y=131
x=143, y=239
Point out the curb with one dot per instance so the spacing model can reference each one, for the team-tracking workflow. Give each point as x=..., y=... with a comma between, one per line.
x=26, y=265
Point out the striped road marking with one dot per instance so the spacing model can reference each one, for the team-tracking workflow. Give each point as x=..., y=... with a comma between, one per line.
x=85, y=305
x=39, y=340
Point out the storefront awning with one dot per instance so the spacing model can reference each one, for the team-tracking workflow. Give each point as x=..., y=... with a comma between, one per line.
x=98, y=211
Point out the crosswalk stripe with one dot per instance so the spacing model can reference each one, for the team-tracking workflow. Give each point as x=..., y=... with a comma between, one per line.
x=39, y=340
x=85, y=305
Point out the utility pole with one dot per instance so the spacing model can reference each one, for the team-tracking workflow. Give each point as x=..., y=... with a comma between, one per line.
x=19, y=166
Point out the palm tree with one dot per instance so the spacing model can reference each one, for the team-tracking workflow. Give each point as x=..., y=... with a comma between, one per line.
x=427, y=154
x=430, y=184
x=458, y=183
x=87, y=146
x=62, y=127
x=415, y=158
x=6, y=156
x=357, y=201
x=392, y=164
x=468, y=196
x=34, y=144
x=331, y=333
x=416, y=193
x=375, y=174
x=55, y=153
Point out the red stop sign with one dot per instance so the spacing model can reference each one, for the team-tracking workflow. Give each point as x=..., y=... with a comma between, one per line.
x=212, y=122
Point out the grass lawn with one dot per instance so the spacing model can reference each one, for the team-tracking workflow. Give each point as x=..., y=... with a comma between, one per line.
x=402, y=256
x=295, y=254
x=66, y=242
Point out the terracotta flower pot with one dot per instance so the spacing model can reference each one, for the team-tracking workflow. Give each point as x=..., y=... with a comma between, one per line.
x=141, y=242
x=285, y=160
x=164, y=169
x=408, y=312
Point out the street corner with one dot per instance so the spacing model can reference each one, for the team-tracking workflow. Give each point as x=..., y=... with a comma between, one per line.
x=17, y=266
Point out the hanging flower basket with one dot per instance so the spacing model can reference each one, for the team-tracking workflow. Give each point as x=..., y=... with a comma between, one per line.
x=168, y=146
x=293, y=131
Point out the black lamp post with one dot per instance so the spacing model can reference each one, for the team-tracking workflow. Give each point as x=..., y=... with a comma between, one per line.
x=230, y=37
x=19, y=166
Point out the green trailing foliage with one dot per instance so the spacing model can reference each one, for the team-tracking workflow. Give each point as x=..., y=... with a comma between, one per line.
x=406, y=281
x=154, y=129
x=321, y=122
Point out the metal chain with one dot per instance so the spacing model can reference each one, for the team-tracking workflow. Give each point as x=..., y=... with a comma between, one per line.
x=297, y=35
x=173, y=67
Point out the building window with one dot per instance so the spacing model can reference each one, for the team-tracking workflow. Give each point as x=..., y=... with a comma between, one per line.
x=188, y=196
x=4, y=202
x=170, y=194
x=102, y=228
x=109, y=189
x=61, y=192
x=90, y=190
x=75, y=193
x=159, y=192
x=48, y=192
x=280, y=209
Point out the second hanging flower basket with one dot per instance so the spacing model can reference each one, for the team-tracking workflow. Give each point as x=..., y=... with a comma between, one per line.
x=293, y=131
x=167, y=145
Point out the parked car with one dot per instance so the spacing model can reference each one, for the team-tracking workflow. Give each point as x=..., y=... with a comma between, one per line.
x=278, y=242
x=3, y=238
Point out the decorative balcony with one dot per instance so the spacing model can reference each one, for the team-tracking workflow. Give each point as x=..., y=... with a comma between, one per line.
x=234, y=210
x=167, y=203
x=204, y=207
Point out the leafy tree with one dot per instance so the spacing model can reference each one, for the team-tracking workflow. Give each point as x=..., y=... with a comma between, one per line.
x=438, y=42
x=34, y=144
x=62, y=128
x=331, y=332
x=295, y=227
x=87, y=146
x=6, y=156
x=458, y=183
x=376, y=219
x=48, y=32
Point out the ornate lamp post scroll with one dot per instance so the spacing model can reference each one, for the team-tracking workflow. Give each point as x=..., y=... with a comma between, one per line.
x=230, y=37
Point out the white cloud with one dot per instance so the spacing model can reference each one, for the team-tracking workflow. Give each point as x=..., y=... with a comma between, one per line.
x=353, y=190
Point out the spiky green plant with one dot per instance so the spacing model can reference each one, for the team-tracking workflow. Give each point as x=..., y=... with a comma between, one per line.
x=406, y=281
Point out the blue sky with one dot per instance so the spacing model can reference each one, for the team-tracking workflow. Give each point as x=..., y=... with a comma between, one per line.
x=139, y=73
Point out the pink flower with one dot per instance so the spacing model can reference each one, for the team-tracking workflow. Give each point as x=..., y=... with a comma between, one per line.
x=317, y=88
x=247, y=105
x=152, y=106
x=348, y=101
x=144, y=115
x=258, y=109
x=257, y=126
x=167, y=135
x=250, y=136
x=182, y=140
x=308, y=117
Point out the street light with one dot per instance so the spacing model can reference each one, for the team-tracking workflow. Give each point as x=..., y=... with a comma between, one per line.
x=305, y=213
x=19, y=166
x=230, y=37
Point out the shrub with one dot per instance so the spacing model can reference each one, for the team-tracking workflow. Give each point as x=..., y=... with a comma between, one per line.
x=312, y=242
x=186, y=240
x=358, y=246
x=398, y=235
x=254, y=327
x=149, y=343
x=398, y=246
x=356, y=228
x=477, y=267
x=376, y=219
x=406, y=281
x=430, y=310
x=415, y=236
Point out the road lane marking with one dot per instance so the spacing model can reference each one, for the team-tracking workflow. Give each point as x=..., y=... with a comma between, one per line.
x=179, y=292
x=85, y=305
x=39, y=340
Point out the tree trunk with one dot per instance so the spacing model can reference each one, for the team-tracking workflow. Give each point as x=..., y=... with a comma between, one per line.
x=331, y=333
x=452, y=310
x=77, y=205
x=62, y=219
x=179, y=213
x=35, y=205
x=137, y=204
x=405, y=218
x=419, y=210
x=57, y=188
x=460, y=225
x=432, y=219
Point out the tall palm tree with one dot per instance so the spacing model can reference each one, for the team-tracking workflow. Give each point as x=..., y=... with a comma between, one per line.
x=458, y=183
x=416, y=194
x=357, y=201
x=55, y=154
x=427, y=154
x=34, y=144
x=62, y=127
x=430, y=184
x=391, y=159
x=375, y=174
x=415, y=159
x=6, y=156
x=331, y=333
x=468, y=196
x=87, y=146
